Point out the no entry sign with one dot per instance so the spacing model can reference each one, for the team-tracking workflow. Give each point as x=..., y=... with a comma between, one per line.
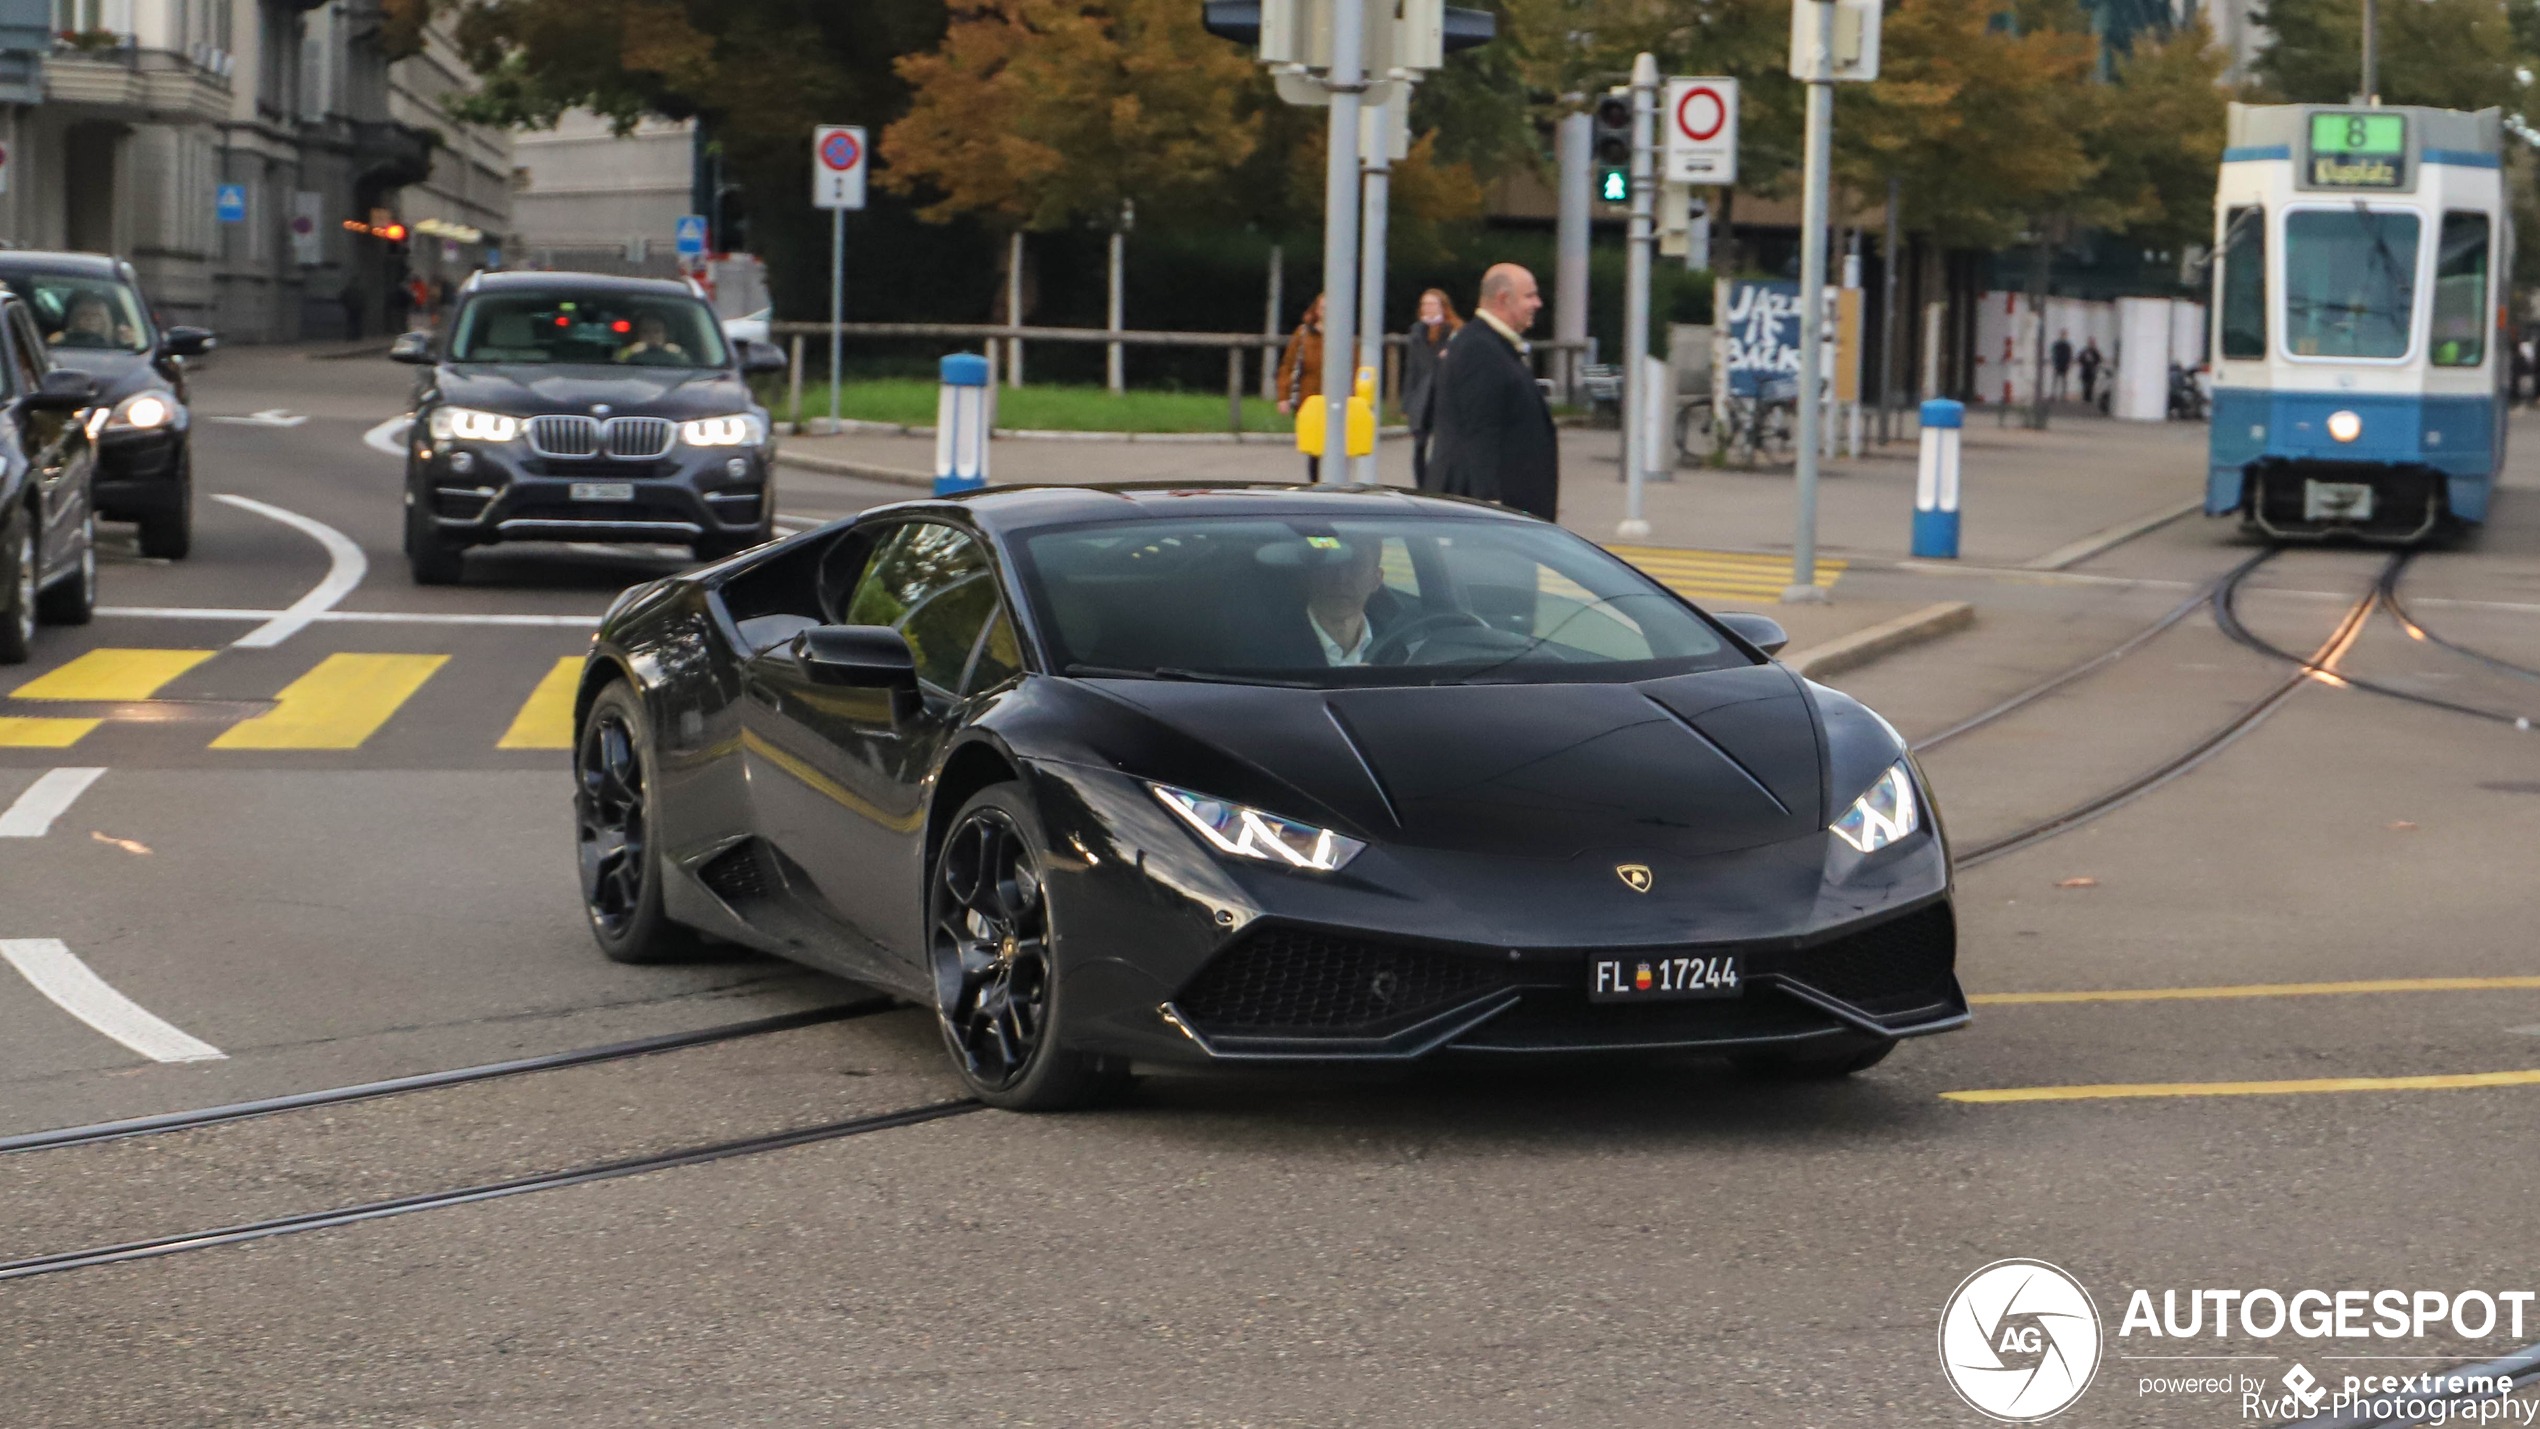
x=1700, y=120
x=838, y=157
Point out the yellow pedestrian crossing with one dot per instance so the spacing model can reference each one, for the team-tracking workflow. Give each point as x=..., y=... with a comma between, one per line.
x=33, y=732
x=1722, y=575
x=546, y=721
x=102, y=674
x=338, y=705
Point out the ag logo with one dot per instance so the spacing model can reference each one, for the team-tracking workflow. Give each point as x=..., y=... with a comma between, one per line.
x=2306, y=1387
x=1635, y=876
x=2019, y=1341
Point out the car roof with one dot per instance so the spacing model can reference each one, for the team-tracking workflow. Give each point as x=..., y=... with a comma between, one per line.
x=580, y=282
x=83, y=265
x=1005, y=510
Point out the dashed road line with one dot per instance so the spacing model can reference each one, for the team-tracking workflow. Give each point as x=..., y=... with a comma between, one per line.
x=56, y=972
x=2262, y=989
x=545, y=721
x=31, y=816
x=338, y=705
x=2448, y=1081
x=346, y=566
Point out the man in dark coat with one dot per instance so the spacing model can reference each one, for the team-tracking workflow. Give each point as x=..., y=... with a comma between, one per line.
x=1494, y=430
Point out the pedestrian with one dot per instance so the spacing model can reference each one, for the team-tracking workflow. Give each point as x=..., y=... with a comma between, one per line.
x=1301, y=374
x=1437, y=324
x=2061, y=356
x=2090, y=361
x=1494, y=429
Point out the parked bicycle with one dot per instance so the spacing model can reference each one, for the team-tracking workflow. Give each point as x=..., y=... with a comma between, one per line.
x=1758, y=427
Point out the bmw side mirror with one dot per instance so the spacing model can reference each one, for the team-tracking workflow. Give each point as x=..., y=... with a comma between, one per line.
x=872, y=657
x=758, y=357
x=415, y=347
x=188, y=341
x=1761, y=631
x=64, y=391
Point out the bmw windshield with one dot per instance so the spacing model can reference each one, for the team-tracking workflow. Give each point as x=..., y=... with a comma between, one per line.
x=589, y=328
x=1389, y=600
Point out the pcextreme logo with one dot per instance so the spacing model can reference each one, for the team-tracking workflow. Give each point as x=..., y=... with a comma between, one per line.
x=2019, y=1341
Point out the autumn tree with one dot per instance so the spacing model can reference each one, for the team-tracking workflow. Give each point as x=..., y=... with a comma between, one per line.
x=2450, y=54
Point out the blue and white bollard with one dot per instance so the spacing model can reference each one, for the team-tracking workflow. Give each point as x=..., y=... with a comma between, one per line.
x=965, y=409
x=1936, y=483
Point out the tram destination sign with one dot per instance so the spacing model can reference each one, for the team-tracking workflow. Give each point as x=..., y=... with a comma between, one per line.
x=2358, y=150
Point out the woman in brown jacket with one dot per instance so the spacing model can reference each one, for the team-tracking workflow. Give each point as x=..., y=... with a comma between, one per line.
x=1301, y=372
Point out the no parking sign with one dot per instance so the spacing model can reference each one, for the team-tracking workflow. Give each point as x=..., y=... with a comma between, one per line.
x=838, y=163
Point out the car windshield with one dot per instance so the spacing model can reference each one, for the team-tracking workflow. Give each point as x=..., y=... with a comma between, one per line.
x=75, y=311
x=2349, y=282
x=588, y=328
x=1323, y=603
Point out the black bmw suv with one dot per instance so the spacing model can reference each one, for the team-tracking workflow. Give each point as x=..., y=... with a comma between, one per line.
x=583, y=407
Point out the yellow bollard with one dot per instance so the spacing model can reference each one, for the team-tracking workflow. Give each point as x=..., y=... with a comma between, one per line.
x=1309, y=426
x=1361, y=437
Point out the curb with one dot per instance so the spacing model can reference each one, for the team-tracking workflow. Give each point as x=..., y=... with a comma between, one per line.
x=865, y=471
x=2098, y=542
x=1861, y=647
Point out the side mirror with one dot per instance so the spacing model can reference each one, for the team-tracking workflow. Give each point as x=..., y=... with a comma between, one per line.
x=188, y=341
x=758, y=357
x=1761, y=631
x=63, y=391
x=871, y=657
x=415, y=347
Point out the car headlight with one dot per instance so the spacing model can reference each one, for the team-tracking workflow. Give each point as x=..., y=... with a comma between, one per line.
x=1249, y=833
x=469, y=425
x=734, y=431
x=142, y=411
x=1888, y=812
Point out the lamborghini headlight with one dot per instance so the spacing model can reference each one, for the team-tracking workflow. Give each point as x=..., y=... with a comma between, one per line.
x=469, y=425
x=1249, y=833
x=1888, y=812
x=739, y=430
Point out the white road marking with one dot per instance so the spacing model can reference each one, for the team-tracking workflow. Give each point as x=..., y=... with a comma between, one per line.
x=340, y=617
x=76, y=989
x=269, y=417
x=389, y=436
x=346, y=565
x=45, y=800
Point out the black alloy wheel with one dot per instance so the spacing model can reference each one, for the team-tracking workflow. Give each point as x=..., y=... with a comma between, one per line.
x=613, y=821
x=17, y=598
x=988, y=917
x=72, y=600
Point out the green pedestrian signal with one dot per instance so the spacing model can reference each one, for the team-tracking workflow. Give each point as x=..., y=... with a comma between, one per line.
x=1611, y=142
x=1614, y=186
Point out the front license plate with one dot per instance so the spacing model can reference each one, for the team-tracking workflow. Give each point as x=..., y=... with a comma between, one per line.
x=603, y=491
x=1667, y=979
x=2336, y=501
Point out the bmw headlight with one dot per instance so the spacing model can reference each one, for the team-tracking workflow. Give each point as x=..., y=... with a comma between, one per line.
x=141, y=411
x=1249, y=833
x=739, y=430
x=1888, y=812
x=469, y=425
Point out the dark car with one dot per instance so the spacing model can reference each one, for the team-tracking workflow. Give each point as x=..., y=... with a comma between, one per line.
x=580, y=407
x=90, y=310
x=48, y=464
x=1258, y=775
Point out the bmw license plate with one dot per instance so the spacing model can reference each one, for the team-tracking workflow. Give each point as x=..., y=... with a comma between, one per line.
x=2336, y=501
x=1669, y=979
x=603, y=491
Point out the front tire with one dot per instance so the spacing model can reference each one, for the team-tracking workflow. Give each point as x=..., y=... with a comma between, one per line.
x=1001, y=995
x=74, y=601
x=167, y=531
x=431, y=560
x=17, y=596
x=619, y=856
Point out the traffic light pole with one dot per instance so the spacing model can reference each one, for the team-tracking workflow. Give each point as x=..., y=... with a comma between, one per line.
x=1812, y=302
x=1636, y=388
x=1347, y=83
x=1376, y=141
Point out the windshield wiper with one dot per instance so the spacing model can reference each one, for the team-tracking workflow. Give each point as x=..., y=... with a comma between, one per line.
x=1177, y=672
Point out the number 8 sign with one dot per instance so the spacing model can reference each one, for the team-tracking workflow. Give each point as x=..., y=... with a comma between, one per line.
x=838, y=164
x=1701, y=131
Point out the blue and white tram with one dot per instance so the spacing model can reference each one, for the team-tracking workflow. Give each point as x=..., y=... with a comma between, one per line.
x=2361, y=370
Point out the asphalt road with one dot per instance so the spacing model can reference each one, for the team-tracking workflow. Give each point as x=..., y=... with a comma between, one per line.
x=1651, y=1244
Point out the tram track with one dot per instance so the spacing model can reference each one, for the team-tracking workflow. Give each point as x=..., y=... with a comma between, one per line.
x=2227, y=618
x=2417, y=629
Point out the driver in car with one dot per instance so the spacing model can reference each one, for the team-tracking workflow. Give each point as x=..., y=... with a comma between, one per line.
x=91, y=323
x=1339, y=600
x=652, y=339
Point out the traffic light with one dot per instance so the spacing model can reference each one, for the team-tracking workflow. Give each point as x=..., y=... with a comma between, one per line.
x=1612, y=145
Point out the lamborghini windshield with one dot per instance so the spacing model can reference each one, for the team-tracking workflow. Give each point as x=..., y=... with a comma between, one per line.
x=1390, y=600
x=588, y=327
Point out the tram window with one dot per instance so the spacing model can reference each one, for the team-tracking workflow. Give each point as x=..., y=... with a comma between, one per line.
x=2460, y=292
x=2244, y=296
x=2349, y=282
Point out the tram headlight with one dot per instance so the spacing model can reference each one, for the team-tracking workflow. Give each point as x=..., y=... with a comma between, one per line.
x=2345, y=426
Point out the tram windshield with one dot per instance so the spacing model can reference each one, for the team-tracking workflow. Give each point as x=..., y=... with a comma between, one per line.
x=2349, y=282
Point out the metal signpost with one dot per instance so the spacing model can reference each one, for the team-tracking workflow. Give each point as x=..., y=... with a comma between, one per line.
x=838, y=154
x=1830, y=40
x=1637, y=389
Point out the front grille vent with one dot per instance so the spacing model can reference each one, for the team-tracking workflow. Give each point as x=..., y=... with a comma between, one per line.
x=564, y=436
x=637, y=438
x=1902, y=964
x=1299, y=980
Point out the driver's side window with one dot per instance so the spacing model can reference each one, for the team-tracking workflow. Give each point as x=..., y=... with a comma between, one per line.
x=933, y=584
